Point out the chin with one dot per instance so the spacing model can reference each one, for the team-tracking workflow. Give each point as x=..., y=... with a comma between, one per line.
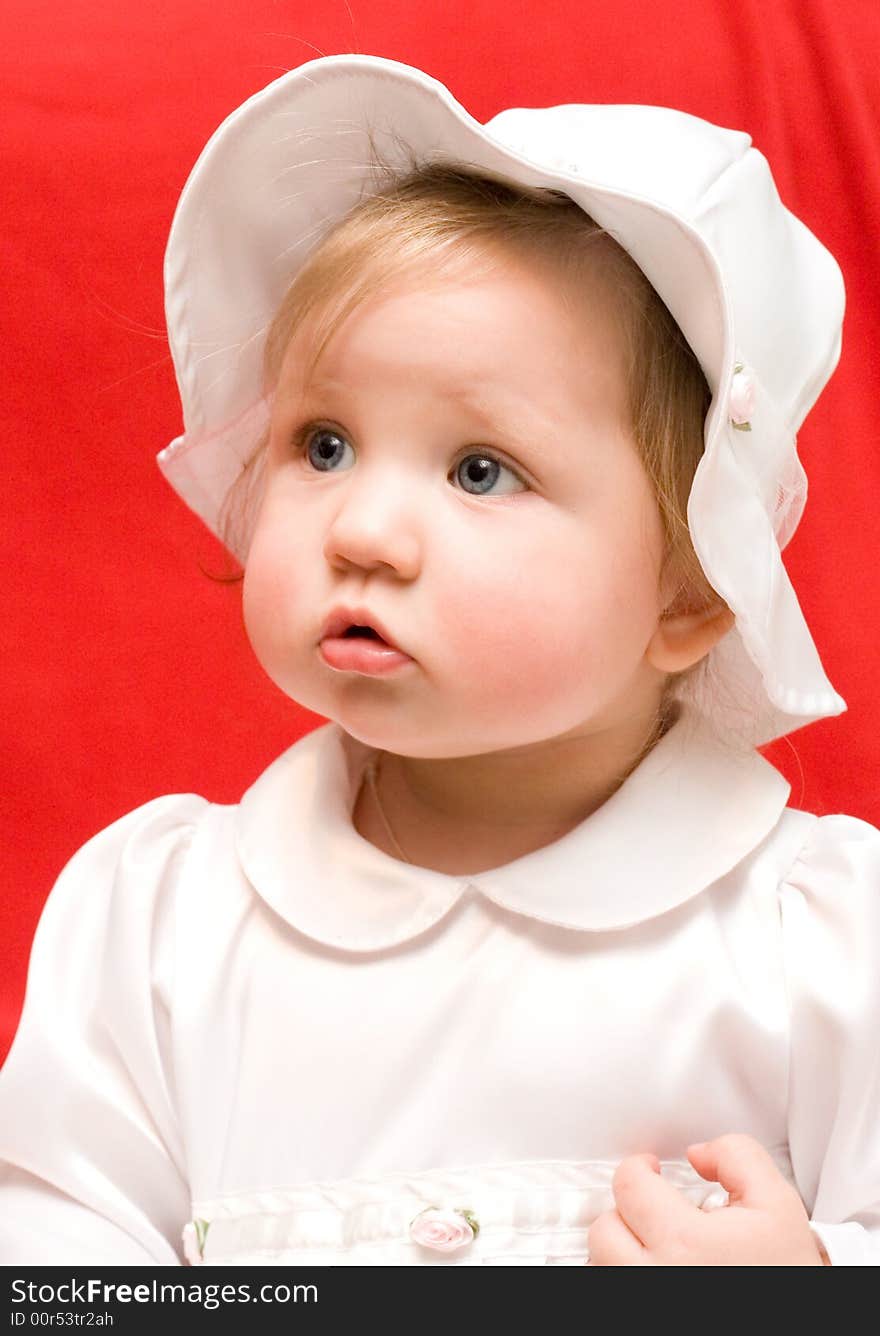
x=391, y=736
x=374, y=714
x=426, y=741
x=387, y=730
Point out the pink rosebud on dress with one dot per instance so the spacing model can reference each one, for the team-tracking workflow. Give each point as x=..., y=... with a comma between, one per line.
x=193, y=1239
x=714, y=1200
x=742, y=397
x=444, y=1229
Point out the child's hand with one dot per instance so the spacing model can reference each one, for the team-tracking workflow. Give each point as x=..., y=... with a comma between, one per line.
x=764, y=1224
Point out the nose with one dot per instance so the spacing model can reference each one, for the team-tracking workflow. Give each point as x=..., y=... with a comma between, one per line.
x=375, y=525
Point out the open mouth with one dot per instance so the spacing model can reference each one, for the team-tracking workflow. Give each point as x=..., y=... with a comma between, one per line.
x=358, y=647
x=351, y=643
x=347, y=624
x=361, y=632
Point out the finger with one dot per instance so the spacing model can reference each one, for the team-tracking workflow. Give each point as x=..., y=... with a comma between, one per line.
x=612, y=1243
x=650, y=1206
x=741, y=1165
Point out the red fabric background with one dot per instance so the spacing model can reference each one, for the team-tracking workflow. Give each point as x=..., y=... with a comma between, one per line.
x=127, y=671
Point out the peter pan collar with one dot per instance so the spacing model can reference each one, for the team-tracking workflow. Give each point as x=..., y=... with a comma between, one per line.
x=688, y=813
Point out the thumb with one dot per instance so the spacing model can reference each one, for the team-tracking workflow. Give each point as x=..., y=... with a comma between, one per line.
x=741, y=1165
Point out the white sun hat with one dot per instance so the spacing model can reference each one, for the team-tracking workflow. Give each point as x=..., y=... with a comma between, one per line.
x=758, y=298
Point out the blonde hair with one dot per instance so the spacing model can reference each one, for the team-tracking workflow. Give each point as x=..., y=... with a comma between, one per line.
x=446, y=216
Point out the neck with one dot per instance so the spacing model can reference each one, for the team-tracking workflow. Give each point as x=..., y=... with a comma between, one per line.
x=467, y=814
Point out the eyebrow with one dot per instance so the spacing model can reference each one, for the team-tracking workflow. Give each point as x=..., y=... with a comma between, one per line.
x=523, y=426
x=471, y=398
x=518, y=431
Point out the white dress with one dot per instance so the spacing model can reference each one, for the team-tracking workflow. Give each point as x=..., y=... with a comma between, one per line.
x=250, y=1018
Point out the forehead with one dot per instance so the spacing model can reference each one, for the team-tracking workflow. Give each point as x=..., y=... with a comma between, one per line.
x=500, y=325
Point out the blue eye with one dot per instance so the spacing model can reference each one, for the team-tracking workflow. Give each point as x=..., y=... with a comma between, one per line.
x=327, y=451
x=479, y=474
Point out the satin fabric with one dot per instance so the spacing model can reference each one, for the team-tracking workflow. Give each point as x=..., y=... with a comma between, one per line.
x=250, y=1017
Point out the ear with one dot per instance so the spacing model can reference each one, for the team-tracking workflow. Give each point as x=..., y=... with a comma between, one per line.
x=683, y=638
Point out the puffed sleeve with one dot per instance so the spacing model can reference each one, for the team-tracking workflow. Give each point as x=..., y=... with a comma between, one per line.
x=92, y=1169
x=830, y=910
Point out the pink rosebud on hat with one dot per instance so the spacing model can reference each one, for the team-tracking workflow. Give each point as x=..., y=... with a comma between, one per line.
x=742, y=397
x=444, y=1229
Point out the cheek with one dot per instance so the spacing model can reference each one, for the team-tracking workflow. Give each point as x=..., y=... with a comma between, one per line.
x=572, y=614
x=270, y=593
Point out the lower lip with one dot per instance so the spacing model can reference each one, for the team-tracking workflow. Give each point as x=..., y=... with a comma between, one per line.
x=360, y=655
